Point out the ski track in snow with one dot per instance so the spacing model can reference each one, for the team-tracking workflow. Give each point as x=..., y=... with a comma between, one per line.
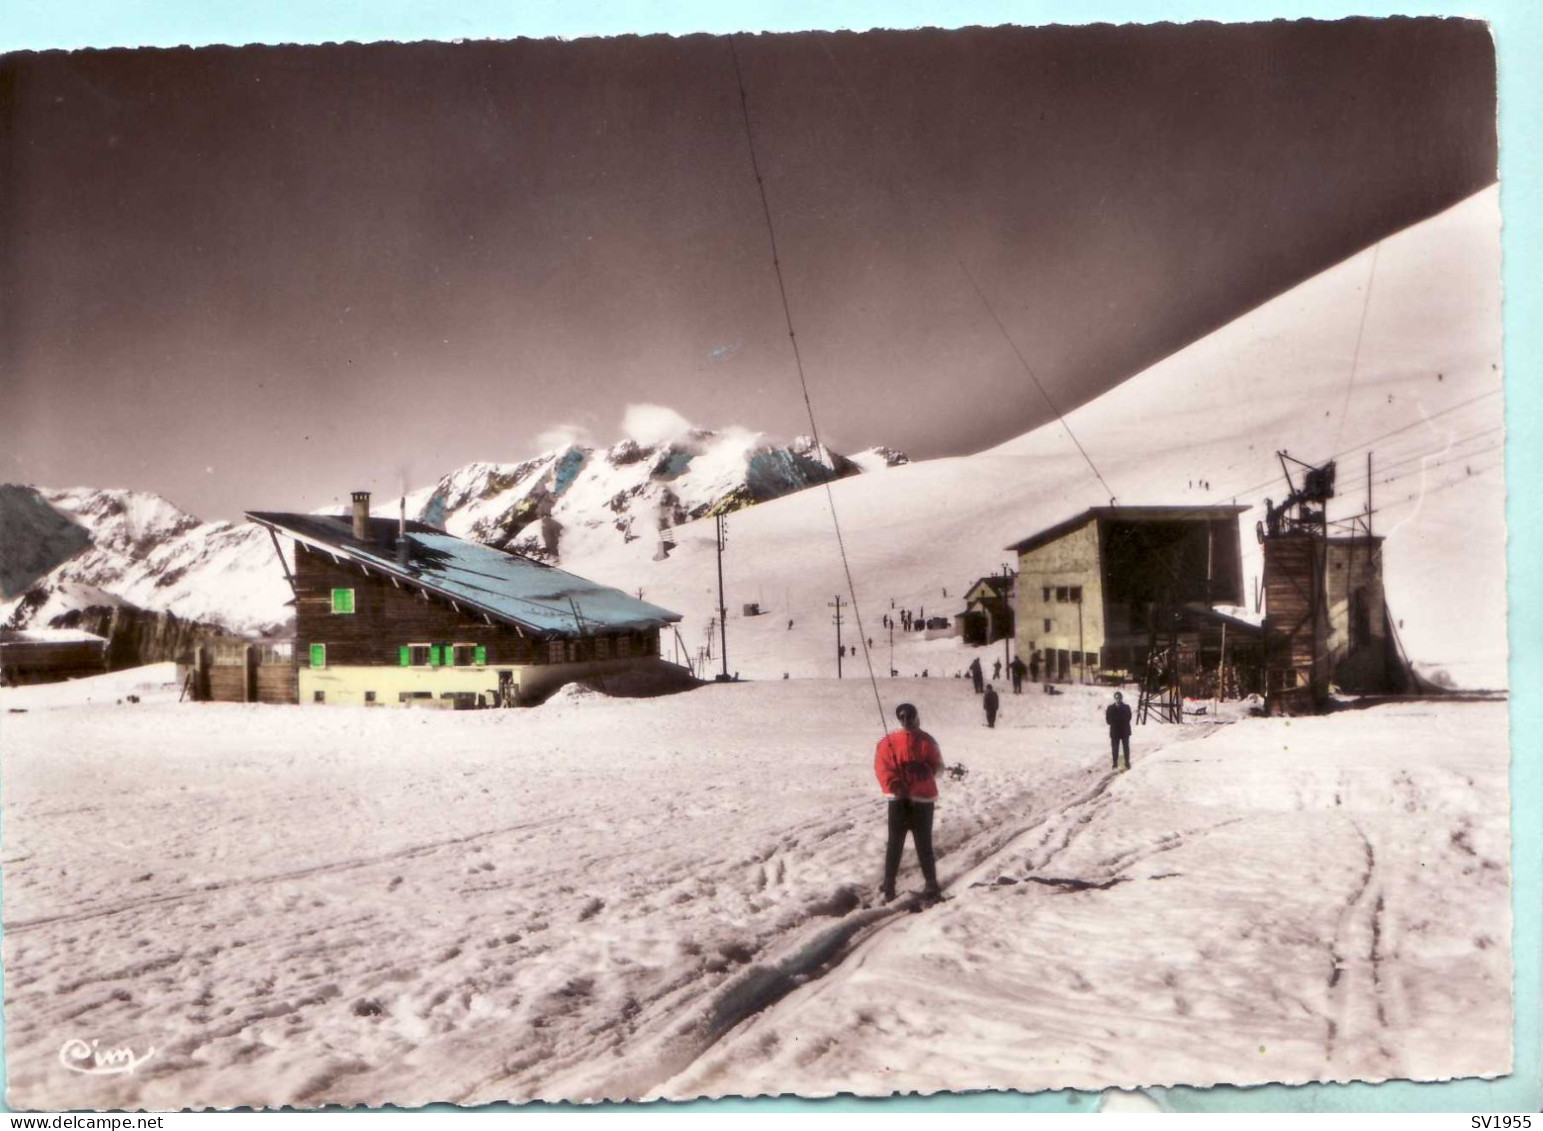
x=606, y=898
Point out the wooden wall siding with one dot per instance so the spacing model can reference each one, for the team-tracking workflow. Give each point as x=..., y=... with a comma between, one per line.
x=386, y=617
x=259, y=674
x=1295, y=620
x=51, y=662
x=277, y=683
x=228, y=685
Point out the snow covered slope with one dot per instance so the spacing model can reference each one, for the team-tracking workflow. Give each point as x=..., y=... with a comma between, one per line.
x=1418, y=385
x=582, y=900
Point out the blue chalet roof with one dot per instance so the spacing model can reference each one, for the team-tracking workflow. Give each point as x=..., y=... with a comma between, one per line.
x=505, y=586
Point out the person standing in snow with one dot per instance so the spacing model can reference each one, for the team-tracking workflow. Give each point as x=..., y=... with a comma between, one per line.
x=1117, y=715
x=976, y=676
x=907, y=762
x=1018, y=669
x=1034, y=668
x=991, y=702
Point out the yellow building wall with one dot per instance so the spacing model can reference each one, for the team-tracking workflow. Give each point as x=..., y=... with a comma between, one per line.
x=1072, y=559
x=347, y=685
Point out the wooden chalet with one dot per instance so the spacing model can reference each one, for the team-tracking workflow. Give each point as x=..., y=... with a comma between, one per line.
x=49, y=655
x=391, y=613
x=1096, y=594
x=988, y=611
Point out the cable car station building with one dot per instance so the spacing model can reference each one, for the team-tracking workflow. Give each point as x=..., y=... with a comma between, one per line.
x=1096, y=592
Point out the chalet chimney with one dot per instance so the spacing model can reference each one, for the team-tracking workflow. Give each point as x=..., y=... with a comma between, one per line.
x=361, y=516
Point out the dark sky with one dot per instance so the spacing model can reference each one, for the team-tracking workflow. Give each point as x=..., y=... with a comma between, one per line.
x=260, y=277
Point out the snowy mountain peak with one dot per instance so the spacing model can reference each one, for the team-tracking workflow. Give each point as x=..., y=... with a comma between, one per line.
x=41, y=528
x=577, y=496
x=65, y=551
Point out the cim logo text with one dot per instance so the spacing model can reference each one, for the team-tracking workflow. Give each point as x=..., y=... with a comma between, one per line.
x=90, y=1058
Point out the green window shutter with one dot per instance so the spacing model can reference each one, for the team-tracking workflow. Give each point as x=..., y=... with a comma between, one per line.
x=482, y=654
x=318, y=655
x=342, y=600
x=435, y=657
x=404, y=656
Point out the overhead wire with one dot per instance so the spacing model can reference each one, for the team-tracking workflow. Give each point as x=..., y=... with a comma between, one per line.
x=1355, y=356
x=1027, y=368
x=856, y=98
x=1049, y=401
x=803, y=381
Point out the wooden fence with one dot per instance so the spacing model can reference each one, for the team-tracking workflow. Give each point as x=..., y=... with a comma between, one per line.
x=244, y=673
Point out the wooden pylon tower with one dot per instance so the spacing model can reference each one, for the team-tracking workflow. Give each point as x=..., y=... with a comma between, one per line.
x=1161, y=695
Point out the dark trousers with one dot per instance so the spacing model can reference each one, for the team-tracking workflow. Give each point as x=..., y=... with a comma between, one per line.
x=991, y=718
x=914, y=817
x=1114, y=748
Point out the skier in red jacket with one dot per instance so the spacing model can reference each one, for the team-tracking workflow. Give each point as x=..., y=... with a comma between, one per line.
x=906, y=763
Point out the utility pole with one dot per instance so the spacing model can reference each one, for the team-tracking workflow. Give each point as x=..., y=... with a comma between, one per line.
x=1007, y=637
x=1368, y=494
x=837, y=618
x=1082, y=653
x=723, y=612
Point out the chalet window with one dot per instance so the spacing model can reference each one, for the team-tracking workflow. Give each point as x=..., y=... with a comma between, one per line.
x=405, y=696
x=1076, y=594
x=318, y=655
x=554, y=652
x=415, y=655
x=602, y=648
x=1060, y=593
x=369, y=696
x=318, y=697
x=1048, y=623
x=1047, y=594
x=342, y=600
x=464, y=655
x=624, y=645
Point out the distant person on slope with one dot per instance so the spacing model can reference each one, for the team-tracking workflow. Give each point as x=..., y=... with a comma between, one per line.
x=996, y=670
x=976, y=676
x=1019, y=669
x=906, y=763
x=991, y=703
x=1117, y=715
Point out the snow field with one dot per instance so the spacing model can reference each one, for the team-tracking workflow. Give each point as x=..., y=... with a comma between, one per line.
x=1288, y=901
x=584, y=900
